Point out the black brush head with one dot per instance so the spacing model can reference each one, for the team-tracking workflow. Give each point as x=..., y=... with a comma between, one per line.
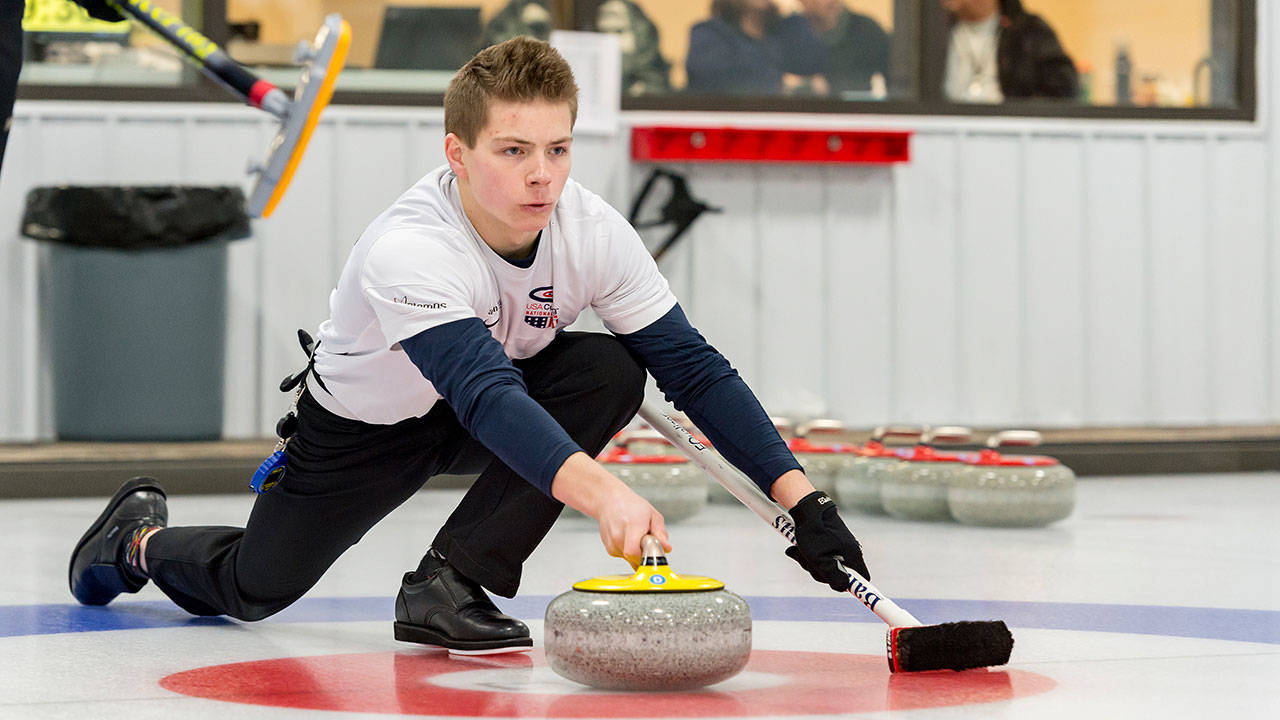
x=950, y=646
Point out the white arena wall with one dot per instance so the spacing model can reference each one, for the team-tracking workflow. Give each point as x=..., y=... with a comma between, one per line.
x=1015, y=272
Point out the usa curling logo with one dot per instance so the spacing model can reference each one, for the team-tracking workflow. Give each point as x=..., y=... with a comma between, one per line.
x=540, y=311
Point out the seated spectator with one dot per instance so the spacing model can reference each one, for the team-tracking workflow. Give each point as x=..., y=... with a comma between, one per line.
x=519, y=17
x=644, y=70
x=857, y=48
x=748, y=48
x=998, y=50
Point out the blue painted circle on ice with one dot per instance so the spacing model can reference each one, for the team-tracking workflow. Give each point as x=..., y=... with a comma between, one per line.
x=1259, y=626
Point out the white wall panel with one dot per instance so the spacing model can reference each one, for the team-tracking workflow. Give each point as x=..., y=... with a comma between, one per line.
x=723, y=302
x=1178, y=253
x=147, y=151
x=1237, y=275
x=1273, y=280
x=990, y=278
x=596, y=160
x=1053, y=240
x=859, y=321
x=1115, y=280
x=18, y=400
x=74, y=147
x=358, y=197
x=926, y=294
x=425, y=149
x=790, y=227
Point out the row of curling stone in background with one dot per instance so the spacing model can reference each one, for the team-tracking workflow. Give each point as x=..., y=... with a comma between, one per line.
x=976, y=488
x=653, y=630
x=817, y=446
x=652, y=466
x=901, y=471
x=859, y=487
x=996, y=489
x=915, y=487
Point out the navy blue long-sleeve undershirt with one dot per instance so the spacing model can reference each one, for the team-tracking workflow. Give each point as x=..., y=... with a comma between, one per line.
x=469, y=368
x=699, y=381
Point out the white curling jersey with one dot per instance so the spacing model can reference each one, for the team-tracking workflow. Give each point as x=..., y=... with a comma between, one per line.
x=421, y=264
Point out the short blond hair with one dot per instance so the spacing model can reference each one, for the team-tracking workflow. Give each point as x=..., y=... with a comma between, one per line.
x=522, y=69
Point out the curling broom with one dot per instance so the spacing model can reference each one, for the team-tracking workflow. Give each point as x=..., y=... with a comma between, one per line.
x=911, y=645
x=323, y=60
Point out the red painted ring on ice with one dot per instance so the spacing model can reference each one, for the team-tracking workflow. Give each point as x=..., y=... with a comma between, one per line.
x=775, y=683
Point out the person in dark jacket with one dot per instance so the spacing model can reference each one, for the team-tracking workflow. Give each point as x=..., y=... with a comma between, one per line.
x=747, y=48
x=857, y=47
x=997, y=50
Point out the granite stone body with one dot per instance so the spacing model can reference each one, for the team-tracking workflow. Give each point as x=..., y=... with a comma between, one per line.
x=918, y=490
x=1012, y=496
x=647, y=640
x=859, y=487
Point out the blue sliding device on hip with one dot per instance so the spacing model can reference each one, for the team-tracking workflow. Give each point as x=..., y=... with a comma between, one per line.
x=270, y=472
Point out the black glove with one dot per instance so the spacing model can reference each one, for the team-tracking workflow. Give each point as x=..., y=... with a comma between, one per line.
x=822, y=539
x=101, y=10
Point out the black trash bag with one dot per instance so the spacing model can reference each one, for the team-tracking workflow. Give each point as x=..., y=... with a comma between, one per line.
x=135, y=217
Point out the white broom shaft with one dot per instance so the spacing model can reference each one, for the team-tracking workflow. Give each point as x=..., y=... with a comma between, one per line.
x=708, y=459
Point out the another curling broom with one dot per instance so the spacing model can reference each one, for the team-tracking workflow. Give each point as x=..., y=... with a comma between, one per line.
x=911, y=645
x=323, y=60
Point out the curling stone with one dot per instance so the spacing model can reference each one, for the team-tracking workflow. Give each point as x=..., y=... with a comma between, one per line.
x=917, y=489
x=859, y=486
x=1012, y=490
x=653, y=630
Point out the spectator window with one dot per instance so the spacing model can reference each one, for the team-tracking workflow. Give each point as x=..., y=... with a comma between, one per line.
x=764, y=49
x=1166, y=59
x=1138, y=53
x=401, y=46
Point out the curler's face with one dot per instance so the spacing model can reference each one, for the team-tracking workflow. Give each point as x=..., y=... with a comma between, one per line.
x=512, y=178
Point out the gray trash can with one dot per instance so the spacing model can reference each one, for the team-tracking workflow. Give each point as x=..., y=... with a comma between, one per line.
x=134, y=307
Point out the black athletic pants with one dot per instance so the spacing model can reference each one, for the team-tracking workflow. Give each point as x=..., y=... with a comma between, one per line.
x=344, y=476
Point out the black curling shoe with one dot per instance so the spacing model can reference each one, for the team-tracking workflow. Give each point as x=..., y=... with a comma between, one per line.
x=452, y=611
x=98, y=573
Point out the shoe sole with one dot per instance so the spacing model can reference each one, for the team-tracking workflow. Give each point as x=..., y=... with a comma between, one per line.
x=104, y=574
x=416, y=634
